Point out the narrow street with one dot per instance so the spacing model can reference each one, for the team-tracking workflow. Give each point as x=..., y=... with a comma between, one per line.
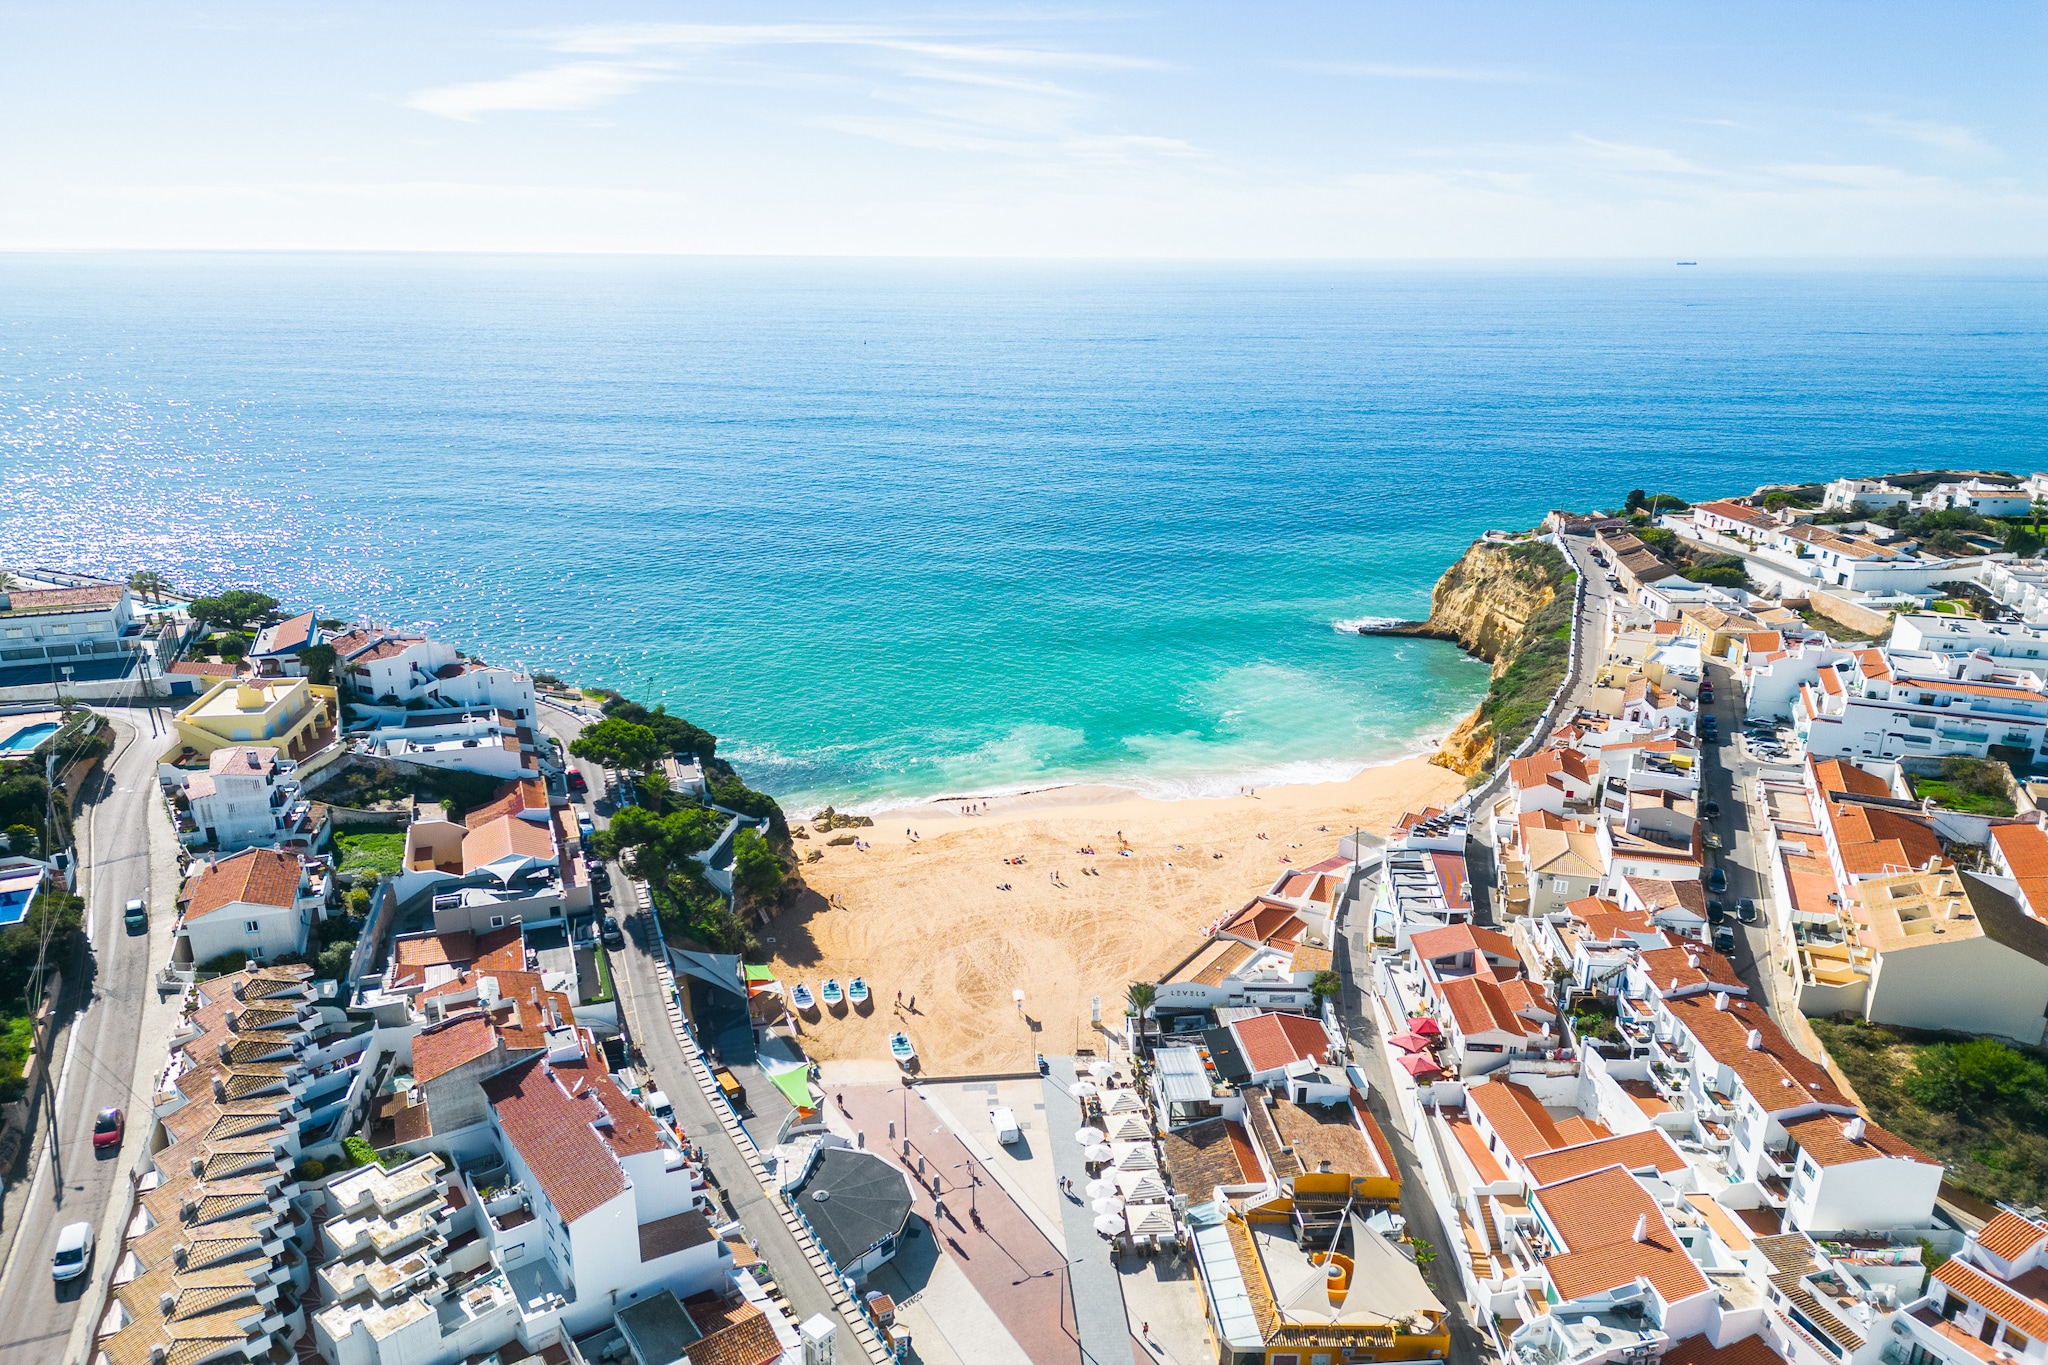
x=644, y=1008
x=93, y=1059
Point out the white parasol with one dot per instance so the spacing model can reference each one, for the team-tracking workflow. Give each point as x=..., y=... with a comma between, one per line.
x=1088, y=1137
x=1081, y=1090
x=1109, y=1225
x=1099, y=1152
x=1101, y=1071
x=1098, y=1188
x=1109, y=1203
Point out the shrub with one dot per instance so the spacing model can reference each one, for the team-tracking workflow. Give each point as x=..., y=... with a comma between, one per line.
x=309, y=1170
x=359, y=1151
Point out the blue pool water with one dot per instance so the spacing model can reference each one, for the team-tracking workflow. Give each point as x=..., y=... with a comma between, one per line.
x=896, y=530
x=27, y=738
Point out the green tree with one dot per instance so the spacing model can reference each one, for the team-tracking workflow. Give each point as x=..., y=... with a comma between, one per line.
x=1141, y=996
x=1637, y=500
x=677, y=736
x=318, y=661
x=1325, y=985
x=334, y=959
x=755, y=868
x=618, y=744
x=148, y=584
x=1976, y=1078
x=1424, y=1252
x=23, y=840
x=237, y=609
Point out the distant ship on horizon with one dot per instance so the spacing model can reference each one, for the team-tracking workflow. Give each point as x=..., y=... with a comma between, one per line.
x=1685, y=263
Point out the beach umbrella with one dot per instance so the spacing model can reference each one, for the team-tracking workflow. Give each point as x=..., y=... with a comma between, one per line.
x=1098, y=1188
x=1410, y=1042
x=1135, y=1156
x=1426, y=1026
x=1088, y=1137
x=1149, y=1220
x=1108, y=1225
x=1109, y=1203
x=1122, y=1102
x=1128, y=1128
x=1101, y=1071
x=1081, y=1090
x=1419, y=1067
x=1099, y=1152
x=1138, y=1187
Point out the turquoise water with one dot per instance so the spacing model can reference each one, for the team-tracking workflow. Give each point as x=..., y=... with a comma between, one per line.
x=903, y=530
x=26, y=738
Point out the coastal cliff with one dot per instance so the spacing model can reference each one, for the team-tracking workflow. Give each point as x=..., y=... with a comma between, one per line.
x=1509, y=604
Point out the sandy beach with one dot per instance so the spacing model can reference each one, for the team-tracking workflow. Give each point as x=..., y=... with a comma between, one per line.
x=923, y=915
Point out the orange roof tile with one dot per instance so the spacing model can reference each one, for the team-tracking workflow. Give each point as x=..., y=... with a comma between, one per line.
x=1517, y=1117
x=1689, y=967
x=256, y=876
x=1754, y=1349
x=1270, y=1041
x=554, y=1134
x=508, y=836
x=1461, y=938
x=2016, y=1310
x=1821, y=1136
x=438, y=1050
x=1594, y=1217
x=1478, y=1006
x=1646, y=1150
x=1777, y=1074
x=2009, y=1236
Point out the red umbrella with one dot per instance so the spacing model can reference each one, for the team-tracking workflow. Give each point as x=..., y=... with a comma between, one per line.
x=1418, y=1067
x=1426, y=1026
x=1410, y=1042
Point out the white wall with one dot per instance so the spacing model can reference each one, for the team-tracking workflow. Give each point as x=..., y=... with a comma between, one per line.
x=1866, y=1196
x=1973, y=986
x=281, y=929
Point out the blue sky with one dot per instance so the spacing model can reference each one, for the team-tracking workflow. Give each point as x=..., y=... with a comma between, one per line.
x=1184, y=131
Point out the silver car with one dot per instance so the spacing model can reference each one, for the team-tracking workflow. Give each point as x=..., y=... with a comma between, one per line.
x=74, y=1251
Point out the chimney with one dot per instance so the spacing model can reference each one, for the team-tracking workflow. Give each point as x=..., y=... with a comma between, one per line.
x=158, y=1354
x=198, y=1165
x=1642, y=1232
x=165, y=1302
x=1721, y=1001
x=1852, y=1131
x=1755, y=1041
x=220, y=1088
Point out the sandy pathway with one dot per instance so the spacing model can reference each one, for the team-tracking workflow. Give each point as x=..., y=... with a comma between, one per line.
x=926, y=917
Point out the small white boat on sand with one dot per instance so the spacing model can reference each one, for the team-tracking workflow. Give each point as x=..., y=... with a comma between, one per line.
x=831, y=993
x=857, y=990
x=802, y=998
x=901, y=1050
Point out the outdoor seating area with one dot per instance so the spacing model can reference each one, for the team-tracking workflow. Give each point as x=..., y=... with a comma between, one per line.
x=1421, y=1046
x=1129, y=1192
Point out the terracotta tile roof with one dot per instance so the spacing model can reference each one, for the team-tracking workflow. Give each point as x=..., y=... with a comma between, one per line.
x=1329, y=1133
x=555, y=1139
x=1777, y=1074
x=1517, y=1117
x=1478, y=1006
x=508, y=836
x=2009, y=1236
x=1579, y=1130
x=1202, y=1156
x=1697, y=1350
x=1270, y=1041
x=749, y=1341
x=1646, y=1150
x=1452, y=877
x=1526, y=997
x=200, y=668
x=1834, y=775
x=515, y=797
x=256, y=876
x=1266, y=921
x=2015, y=1310
x=1822, y=1138
x=1462, y=938
x=291, y=633
x=1691, y=968
x=384, y=649
x=1594, y=1217
x=36, y=601
x=252, y=760
x=1228, y=959
x=1308, y=958
x=1661, y=894
x=439, y=1049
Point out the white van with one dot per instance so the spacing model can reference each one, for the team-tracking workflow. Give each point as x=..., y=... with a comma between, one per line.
x=658, y=1105
x=74, y=1251
x=1005, y=1124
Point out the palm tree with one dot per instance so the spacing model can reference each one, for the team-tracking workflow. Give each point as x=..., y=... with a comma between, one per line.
x=1140, y=997
x=8, y=581
x=1561, y=978
x=148, y=584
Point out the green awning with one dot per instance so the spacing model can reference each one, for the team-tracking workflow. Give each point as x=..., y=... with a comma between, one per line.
x=761, y=973
x=795, y=1084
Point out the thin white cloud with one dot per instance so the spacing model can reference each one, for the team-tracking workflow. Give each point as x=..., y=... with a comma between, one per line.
x=625, y=39
x=554, y=90
x=1393, y=71
x=1946, y=137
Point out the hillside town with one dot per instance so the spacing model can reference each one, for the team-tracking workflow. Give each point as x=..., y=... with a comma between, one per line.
x=1705, y=1027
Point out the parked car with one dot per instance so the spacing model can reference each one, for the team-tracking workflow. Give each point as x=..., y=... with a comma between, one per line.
x=1717, y=881
x=74, y=1251
x=585, y=825
x=1745, y=910
x=600, y=875
x=1711, y=809
x=1724, y=939
x=108, y=1128
x=1716, y=912
x=614, y=937
x=1004, y=1121
x=136, y=916
x=577, y=782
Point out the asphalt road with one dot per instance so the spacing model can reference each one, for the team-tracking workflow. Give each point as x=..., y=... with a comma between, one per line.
x=642, y=1003
x=67, y=1182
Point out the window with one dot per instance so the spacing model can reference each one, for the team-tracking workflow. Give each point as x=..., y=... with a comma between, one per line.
x=2014, y=1342
x=14, y=632
x=60, y=630
x=251, y=926
x=497, y=921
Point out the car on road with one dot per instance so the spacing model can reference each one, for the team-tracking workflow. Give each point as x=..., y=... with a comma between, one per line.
x=74, y=1251
x=1709, y=728
x=108, y=1128
x=1717, y=881
x=614, y=937
x=585, y=825
x=1745, y=910
x=136, y=916
x=600, y=875
x=1724, y=939
x=1711, y=809
x=577, y=781
x=1716, y=912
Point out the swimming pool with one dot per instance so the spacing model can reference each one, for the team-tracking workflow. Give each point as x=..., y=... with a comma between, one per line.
x=27, y=737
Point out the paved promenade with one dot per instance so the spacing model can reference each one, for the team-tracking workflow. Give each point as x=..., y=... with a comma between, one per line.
x=1098, y=1298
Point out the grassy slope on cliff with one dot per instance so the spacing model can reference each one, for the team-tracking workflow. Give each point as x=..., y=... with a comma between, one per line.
x=1540, y=658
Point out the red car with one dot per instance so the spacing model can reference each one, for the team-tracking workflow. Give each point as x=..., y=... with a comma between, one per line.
x=108, y=1128
x=576, y=781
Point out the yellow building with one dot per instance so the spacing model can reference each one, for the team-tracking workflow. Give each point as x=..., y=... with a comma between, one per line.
x=291, y=714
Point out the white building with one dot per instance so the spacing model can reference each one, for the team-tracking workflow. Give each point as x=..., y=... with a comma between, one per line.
x=1895, y=704
x=1869, y=495
x=241, y=800
x=393, y=669
x=1975, y=495
x=1934, y=633
x=489, y=743
x=260, y=902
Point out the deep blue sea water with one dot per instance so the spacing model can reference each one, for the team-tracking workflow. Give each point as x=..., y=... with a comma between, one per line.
x=897, y=530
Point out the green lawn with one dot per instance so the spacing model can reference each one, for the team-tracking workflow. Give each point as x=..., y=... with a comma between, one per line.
x=17, y=1036
x=604, y=977
x=371, y=852
x=1999, y=1149
x=1948, y=796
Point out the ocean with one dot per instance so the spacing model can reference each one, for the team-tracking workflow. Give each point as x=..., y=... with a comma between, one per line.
x=900, y=530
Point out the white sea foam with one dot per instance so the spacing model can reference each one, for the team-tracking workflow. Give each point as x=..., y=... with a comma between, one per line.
x=1352, y=625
